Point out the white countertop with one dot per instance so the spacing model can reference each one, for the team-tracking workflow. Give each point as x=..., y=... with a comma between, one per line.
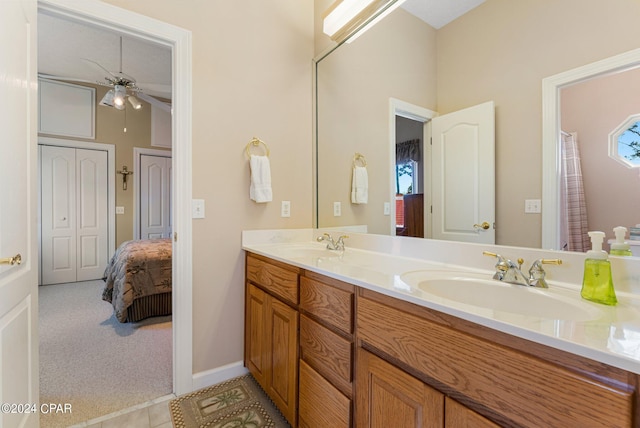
x=388, y=265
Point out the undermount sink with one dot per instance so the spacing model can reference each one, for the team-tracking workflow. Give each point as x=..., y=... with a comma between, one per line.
x=476, y=290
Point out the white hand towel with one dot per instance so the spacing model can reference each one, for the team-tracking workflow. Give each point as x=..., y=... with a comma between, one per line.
x=260, y=189
x=360, y=185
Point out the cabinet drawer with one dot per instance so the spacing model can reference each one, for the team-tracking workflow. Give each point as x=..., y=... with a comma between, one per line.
x=524, y=389
x=277, y=280
x=332, y=305
x=328, y=353
x=321, y=405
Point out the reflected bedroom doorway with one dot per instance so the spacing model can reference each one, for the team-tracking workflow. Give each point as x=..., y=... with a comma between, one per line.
x=409, y=177
x=408, y=123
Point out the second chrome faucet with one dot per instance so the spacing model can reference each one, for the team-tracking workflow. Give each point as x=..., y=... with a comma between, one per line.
x=331, y=244
x=509, y=271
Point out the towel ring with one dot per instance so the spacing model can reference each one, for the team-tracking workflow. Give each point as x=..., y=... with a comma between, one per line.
x=358, y=157
x=256, y=142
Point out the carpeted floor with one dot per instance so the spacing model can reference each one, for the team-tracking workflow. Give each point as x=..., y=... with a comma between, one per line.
x=238, y=402
x=93, y=362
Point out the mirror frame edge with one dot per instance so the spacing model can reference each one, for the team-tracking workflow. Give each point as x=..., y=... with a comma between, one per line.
x=551, y=126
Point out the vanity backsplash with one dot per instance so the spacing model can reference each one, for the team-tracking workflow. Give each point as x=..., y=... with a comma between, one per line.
x=626, y=270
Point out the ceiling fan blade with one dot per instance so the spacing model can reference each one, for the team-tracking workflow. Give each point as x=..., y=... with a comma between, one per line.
x=158, y=88
x=154, y=101
x=101, y=67
x=67, y=79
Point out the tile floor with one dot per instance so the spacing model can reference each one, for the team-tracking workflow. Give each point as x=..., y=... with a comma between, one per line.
x=153, y=414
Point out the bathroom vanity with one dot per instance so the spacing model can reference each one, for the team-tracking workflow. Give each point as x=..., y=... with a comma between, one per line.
x=370, y=338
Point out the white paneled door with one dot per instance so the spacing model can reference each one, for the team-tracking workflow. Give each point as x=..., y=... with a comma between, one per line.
x=463, y=171
x=155, y=197
x=74, y=192
x=18, y=215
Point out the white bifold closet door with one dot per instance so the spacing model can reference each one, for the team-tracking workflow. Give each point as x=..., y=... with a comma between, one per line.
x=155, y=197
x=74, y=192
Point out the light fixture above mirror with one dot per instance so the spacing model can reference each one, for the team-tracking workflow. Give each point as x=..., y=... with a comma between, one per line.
x=348, y=19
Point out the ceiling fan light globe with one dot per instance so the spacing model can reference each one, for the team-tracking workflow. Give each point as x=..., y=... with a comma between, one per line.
x=107, y=100
x=135, y=103
x=119, y=95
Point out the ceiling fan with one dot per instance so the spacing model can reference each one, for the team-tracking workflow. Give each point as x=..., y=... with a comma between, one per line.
x=124, y=87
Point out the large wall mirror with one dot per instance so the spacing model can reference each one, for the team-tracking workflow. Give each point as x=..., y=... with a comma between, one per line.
x=499, y=51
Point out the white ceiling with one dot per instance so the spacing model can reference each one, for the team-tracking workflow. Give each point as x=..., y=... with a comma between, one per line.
x=439, y=13
x=63, y=46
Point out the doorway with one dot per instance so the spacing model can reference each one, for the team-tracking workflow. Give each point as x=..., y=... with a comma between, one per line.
x=410, y=177
x=552, y=130
x=416, y=120
x=152, y=194
x=179, y=41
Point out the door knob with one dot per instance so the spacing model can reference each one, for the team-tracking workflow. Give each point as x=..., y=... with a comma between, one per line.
x=485, y=225
x=16, y=260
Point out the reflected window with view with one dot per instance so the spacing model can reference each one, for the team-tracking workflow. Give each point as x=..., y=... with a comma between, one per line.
x=624, y=142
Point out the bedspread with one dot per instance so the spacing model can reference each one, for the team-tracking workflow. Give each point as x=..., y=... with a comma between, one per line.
x=137, y=269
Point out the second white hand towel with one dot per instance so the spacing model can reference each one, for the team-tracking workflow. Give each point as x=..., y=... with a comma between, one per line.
x=360, y=185
x=260, y=189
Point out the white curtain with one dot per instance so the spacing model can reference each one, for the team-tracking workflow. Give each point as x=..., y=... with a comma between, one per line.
x=573, y=207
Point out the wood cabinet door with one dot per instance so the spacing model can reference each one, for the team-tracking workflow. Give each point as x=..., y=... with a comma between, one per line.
x=283, y=351
x=256, y=352
x=459, y=416
x=389, y=397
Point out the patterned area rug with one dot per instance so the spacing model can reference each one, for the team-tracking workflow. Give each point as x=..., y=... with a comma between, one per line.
x=236, y=403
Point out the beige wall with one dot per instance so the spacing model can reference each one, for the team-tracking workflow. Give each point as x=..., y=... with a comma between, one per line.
x=593, y=109
x=251, y=77
x=110, y=124
x=394, y=59
x=501, y=51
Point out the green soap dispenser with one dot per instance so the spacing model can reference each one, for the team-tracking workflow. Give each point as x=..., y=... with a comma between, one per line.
x=597, y=284
x=620, y=247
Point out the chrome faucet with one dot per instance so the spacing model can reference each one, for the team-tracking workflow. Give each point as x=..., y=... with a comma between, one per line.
x=509, y=271
x=537, y=274
x=331, y=244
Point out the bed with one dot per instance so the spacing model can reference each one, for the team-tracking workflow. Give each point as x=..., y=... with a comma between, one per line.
x=138, y=280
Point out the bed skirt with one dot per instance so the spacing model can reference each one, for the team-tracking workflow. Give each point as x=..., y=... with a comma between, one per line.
x=149, y=306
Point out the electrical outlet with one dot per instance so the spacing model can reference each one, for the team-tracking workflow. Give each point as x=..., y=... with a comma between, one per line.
x=387, y=208
x=119, y=210
x=197, y=208
x=532, y=206
x=337, y=209
x=285, y=210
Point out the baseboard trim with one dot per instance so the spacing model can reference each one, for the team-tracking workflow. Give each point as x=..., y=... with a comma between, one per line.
x=219, y=374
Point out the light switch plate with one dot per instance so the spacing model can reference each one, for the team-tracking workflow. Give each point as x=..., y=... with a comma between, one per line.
x=532, y=206
x=197, y=208
x=119, y=210
x=387, y=208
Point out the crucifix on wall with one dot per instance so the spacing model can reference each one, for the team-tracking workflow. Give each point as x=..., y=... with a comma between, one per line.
x=125, y=172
